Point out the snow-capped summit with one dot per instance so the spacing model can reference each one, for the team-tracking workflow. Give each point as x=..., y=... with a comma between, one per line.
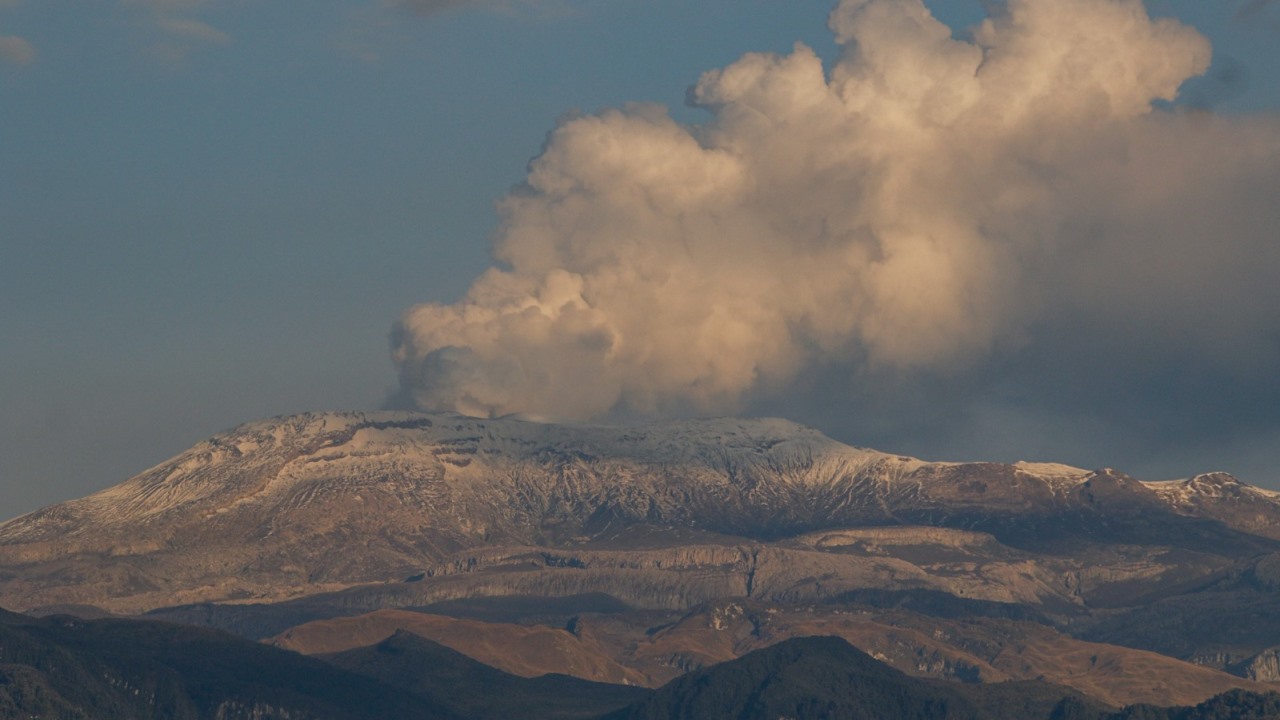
x=303, y=504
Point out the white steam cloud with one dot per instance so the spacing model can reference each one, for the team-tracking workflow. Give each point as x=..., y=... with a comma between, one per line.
x=922, y=204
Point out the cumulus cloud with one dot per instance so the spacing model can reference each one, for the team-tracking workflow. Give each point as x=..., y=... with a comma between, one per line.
x=16, y=50
x=926, y=207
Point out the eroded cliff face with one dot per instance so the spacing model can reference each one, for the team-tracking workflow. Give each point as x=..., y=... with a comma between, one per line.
x=1263, y=667
x=662, y=515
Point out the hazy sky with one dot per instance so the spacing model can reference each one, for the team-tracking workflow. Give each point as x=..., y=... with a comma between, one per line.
x=215, y=211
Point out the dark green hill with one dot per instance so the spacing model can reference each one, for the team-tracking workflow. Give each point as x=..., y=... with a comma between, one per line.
x=475, y=690
x=67, y=668
x=1233, y=705
x=804, y=678
x=64, y=668
x=826, y=678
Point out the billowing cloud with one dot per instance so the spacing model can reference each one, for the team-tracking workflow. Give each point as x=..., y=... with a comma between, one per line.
x=16, y=50
x=926, y=207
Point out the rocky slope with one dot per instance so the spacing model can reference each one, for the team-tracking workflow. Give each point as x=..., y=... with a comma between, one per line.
x=363, y=502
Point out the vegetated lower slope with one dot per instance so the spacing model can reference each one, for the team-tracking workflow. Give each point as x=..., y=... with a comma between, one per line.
x=522, y=650
x=647, y=650
x=66, y=668
x=1234, y=705
x=63, y=668
x=474, y=690
x=822, y=677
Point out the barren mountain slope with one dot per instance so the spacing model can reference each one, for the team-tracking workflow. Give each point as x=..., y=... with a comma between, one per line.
x=319, y=503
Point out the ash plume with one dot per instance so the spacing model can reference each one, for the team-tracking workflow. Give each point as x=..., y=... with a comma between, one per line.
x=925, y=206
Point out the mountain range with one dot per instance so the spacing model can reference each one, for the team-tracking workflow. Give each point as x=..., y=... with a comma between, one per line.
x=638, y=554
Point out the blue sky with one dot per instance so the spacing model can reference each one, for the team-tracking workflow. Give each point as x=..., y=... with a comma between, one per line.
x=214, y=211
